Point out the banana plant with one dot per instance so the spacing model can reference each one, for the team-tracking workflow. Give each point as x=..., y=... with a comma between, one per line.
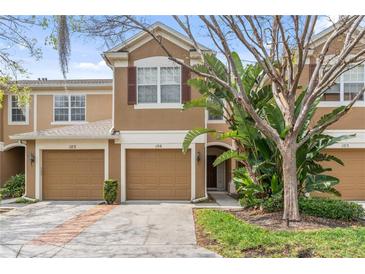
x=260, y=172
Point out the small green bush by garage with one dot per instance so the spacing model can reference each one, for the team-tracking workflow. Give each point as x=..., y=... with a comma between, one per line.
x=14, y=187
x=320, y=207
x=110, y=191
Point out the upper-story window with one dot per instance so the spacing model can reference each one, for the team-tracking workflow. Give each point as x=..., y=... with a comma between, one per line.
x=18, y=115
x=216, y=116
x=69, y=108
x=158, y=85
x=347, y=85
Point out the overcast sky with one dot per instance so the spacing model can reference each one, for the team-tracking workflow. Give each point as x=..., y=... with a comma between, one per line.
x=86, y=61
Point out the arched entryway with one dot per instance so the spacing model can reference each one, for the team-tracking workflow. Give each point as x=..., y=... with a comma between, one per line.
x=13, y=162
x=218, y=177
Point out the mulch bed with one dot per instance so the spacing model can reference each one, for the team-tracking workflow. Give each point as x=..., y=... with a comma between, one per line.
x=273, y=221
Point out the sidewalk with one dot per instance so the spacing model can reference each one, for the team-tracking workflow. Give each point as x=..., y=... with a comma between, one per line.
x=221, y=200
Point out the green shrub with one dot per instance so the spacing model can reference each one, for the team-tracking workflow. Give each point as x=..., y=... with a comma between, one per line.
x=319, y=207
x=332, y=209
x=14, y=187
x=250, y=203
x=23, y=200
x=110, y=191
x=273, y=204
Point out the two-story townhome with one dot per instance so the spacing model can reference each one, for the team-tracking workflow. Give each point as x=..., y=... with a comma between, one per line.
x=53, y=104
x=75, y=134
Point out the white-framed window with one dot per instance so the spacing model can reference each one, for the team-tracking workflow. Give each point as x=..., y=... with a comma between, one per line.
x=214, y=117
x=347, y=86
x=159, y=85
x=17, y=115
x=69, y=108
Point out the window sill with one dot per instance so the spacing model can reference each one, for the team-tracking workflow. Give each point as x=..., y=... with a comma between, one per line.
x=158, y=106
x=18, y=123
x=338, y=104
x=68, y=123
x=216, y=122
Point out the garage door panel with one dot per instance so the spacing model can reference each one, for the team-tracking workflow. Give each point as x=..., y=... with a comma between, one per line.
x=158, y=174
x=73, y=174
x=352, y=174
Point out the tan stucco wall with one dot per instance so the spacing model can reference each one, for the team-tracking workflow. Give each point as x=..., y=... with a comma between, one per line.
x=98, y=107
x=200, y=171
x=128, y=118
x=45, y=111
x=354, y=119
x=1, y=124
x=151, y=48
x=335, y=47
x=14, y=129
x=120, y=97
x=12, y=163
x=30, y=171
x=115, y=164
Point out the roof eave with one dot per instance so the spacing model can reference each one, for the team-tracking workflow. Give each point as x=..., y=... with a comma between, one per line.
x=152, y=27
x=29, y=138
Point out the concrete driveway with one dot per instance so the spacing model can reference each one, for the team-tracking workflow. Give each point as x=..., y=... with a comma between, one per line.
x=76, y=229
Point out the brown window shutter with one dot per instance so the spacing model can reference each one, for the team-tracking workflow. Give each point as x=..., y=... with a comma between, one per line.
x=185, y=88
x=132, y=86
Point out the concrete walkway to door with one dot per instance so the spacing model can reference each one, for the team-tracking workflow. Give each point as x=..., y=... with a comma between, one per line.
x=75, y=229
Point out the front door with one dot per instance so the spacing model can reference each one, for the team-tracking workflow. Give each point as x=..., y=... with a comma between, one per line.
x=211, y=172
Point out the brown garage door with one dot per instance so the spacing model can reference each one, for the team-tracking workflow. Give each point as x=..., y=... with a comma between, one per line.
x=72, y=174
x=158, y=174
x=352, y=174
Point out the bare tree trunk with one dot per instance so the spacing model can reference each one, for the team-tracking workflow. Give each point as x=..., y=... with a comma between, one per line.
x=291, y=207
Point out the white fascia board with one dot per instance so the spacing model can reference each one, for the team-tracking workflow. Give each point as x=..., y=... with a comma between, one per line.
x=358, y=141
x=116, y=59
x=156, y=137
x=19, y=137
x=154, y=26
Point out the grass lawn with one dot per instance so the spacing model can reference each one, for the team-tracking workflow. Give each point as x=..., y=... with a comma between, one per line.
x=231, y=237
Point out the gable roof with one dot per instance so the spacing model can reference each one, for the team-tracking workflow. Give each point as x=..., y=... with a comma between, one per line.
x=92, y=130
x=157, y=27
x=317, y=38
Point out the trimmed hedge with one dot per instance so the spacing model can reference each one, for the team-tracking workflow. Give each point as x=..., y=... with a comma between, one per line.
x=331, y=208
x=110, y=191
x=14, y=187
x=319, y=207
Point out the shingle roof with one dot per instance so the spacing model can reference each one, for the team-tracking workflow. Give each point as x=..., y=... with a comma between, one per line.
x=69, y=83
x=92, y=130
x=153, y=27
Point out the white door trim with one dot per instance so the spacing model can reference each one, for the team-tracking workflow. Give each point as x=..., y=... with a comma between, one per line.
x=123, y=175
x=41, y=145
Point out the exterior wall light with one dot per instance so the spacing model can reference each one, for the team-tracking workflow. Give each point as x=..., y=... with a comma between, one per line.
x=31, y=158
x=198, y=157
